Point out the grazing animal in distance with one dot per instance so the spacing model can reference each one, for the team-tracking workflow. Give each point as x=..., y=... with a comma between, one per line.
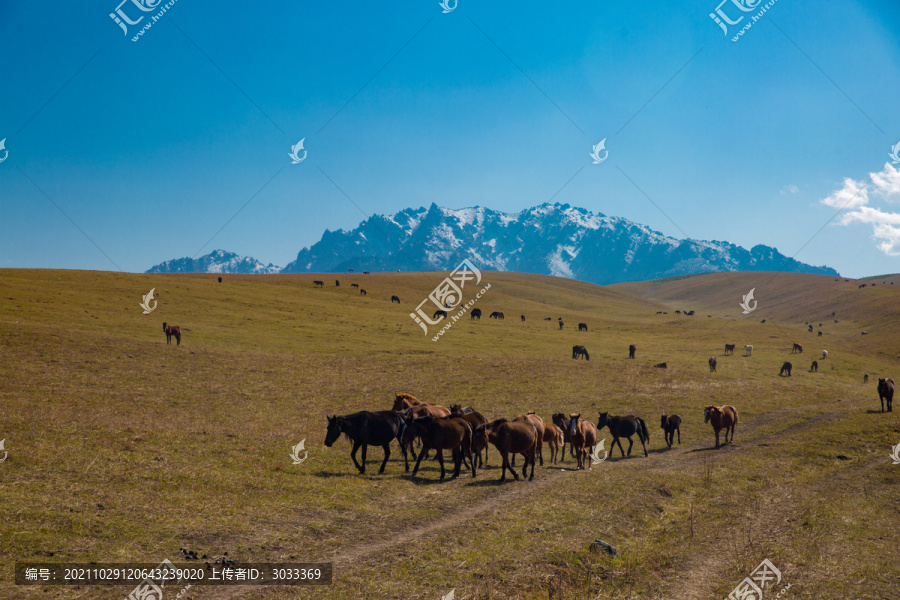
x=511, y=438
x=561, y=324
x=886, y=392
x=365, y=429
x=749, y=349
x=670, y=424
x=786, y=368
x=500, y=316
x=439, y=313
x=729, y=349
x=220, y=280
x=721, y=417
x=583, y=437
x=337, y=283
x=318, y=283
x=172, y=331
x=354, y=285
x=625, y=427
x=523, y=318
x=549, y=319
x=763, y=321
x=797, y=348
x=865, y=378
x=660, y=366
x=476, y=314
x=631, y=350
x=580, y=351
x=862, y=286
x=824, y=354
x=810, y=328
x=365, y=272
x=712, y=364
x=820, y=333
x=395, y=299
x=814, y=367
x=582, y=327
x=362, y=292
x=494, y=315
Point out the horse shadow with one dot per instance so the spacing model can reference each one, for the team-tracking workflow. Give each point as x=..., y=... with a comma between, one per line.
x=708, y=448
x=875, y=411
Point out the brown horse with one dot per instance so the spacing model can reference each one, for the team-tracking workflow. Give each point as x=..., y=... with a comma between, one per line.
x=580, y=351
x=511, y=438
x=584, y=437
x=404, y=401
x=553, y=435
x=797, y=348
x=560, y=420
x=886, y=392
x=452, y=434
x=354, y=285
x=722, y=417
x=625, y=427
x=539, y=427
x=172, y=330
x=474, y=418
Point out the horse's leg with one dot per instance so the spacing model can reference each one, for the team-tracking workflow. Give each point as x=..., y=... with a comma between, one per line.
x=405, y=456
x=356, y=445
x=387, y=455
x=678, y=429
x=616, y=440
x=440, y=454
x=365, y=447
x=540, y=451
x=645, y=445
x=532, y=469
x=630, y=444
x=717, y=438
x=505, y=459
x=418, y=462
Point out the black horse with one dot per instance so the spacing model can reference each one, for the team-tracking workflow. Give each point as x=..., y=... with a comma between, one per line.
x=625, y=427
x=886, y=392
x=580, y=351
x=366, y=428
x=631, y=350
x=439, y=313
x=475, y=314
x=671, y=424
x=582, y=327
x=786, y=368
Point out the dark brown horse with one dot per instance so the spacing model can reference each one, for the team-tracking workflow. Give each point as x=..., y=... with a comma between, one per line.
x=539, y=427
x=561, y=324
x=797, y=348
x=354, y=285
x=786, y=368
x=475, y=314
x=439, y=313
x=172, y=330
x=814, y=367
x=395, y=299
x=337, y=283
x=722, y=417
x=362, y=292
x=631, y=350
x=580, y=351
x=729, y=349
x=624, y=427
x=440, y=434
x=582, y=327
x=474, y=418
x=318, y=283
x=583, y=437
x=511, y=438
x=366, y=428
x=523, y=318
x=886, y=392
x=670, y=424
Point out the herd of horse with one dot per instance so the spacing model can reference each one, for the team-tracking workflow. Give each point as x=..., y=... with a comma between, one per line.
x=467, y=434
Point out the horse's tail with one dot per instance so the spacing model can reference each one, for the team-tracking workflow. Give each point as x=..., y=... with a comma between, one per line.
x=644, y=433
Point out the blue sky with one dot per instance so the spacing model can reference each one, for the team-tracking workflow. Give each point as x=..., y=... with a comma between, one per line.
x=178, y=144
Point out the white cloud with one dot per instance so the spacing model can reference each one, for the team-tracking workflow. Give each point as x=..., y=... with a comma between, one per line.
x=853, y=197
x=789, y=189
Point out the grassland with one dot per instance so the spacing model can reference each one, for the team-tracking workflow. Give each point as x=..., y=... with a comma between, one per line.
x=124, y=449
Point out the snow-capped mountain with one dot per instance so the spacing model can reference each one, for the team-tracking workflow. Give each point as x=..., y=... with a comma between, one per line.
x=550, y=239
x=217, y=261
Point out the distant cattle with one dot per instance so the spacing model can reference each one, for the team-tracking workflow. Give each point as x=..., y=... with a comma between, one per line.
x=476, y=314
x=797, y=348
x=582, y=327
x=362, y=292
x=660, y=366
x=729, y=349
x=440, y=313
x=712, y=364
x=631, y=350
x=886, y=392
x=786, y=368
x=814, y=367
x=580, y=351
x=749, y=349
x=824, y=354
x=395, y=299
x=318, y=283
x=354, y=285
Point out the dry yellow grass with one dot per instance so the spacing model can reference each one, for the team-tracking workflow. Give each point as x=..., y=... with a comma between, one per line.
x=188, y=446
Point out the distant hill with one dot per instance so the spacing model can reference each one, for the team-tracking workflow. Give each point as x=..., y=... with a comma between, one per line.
x=550, y=239
x=218, y=261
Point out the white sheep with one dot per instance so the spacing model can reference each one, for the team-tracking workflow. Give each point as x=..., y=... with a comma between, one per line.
x=749, y=349
x=824, y=354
